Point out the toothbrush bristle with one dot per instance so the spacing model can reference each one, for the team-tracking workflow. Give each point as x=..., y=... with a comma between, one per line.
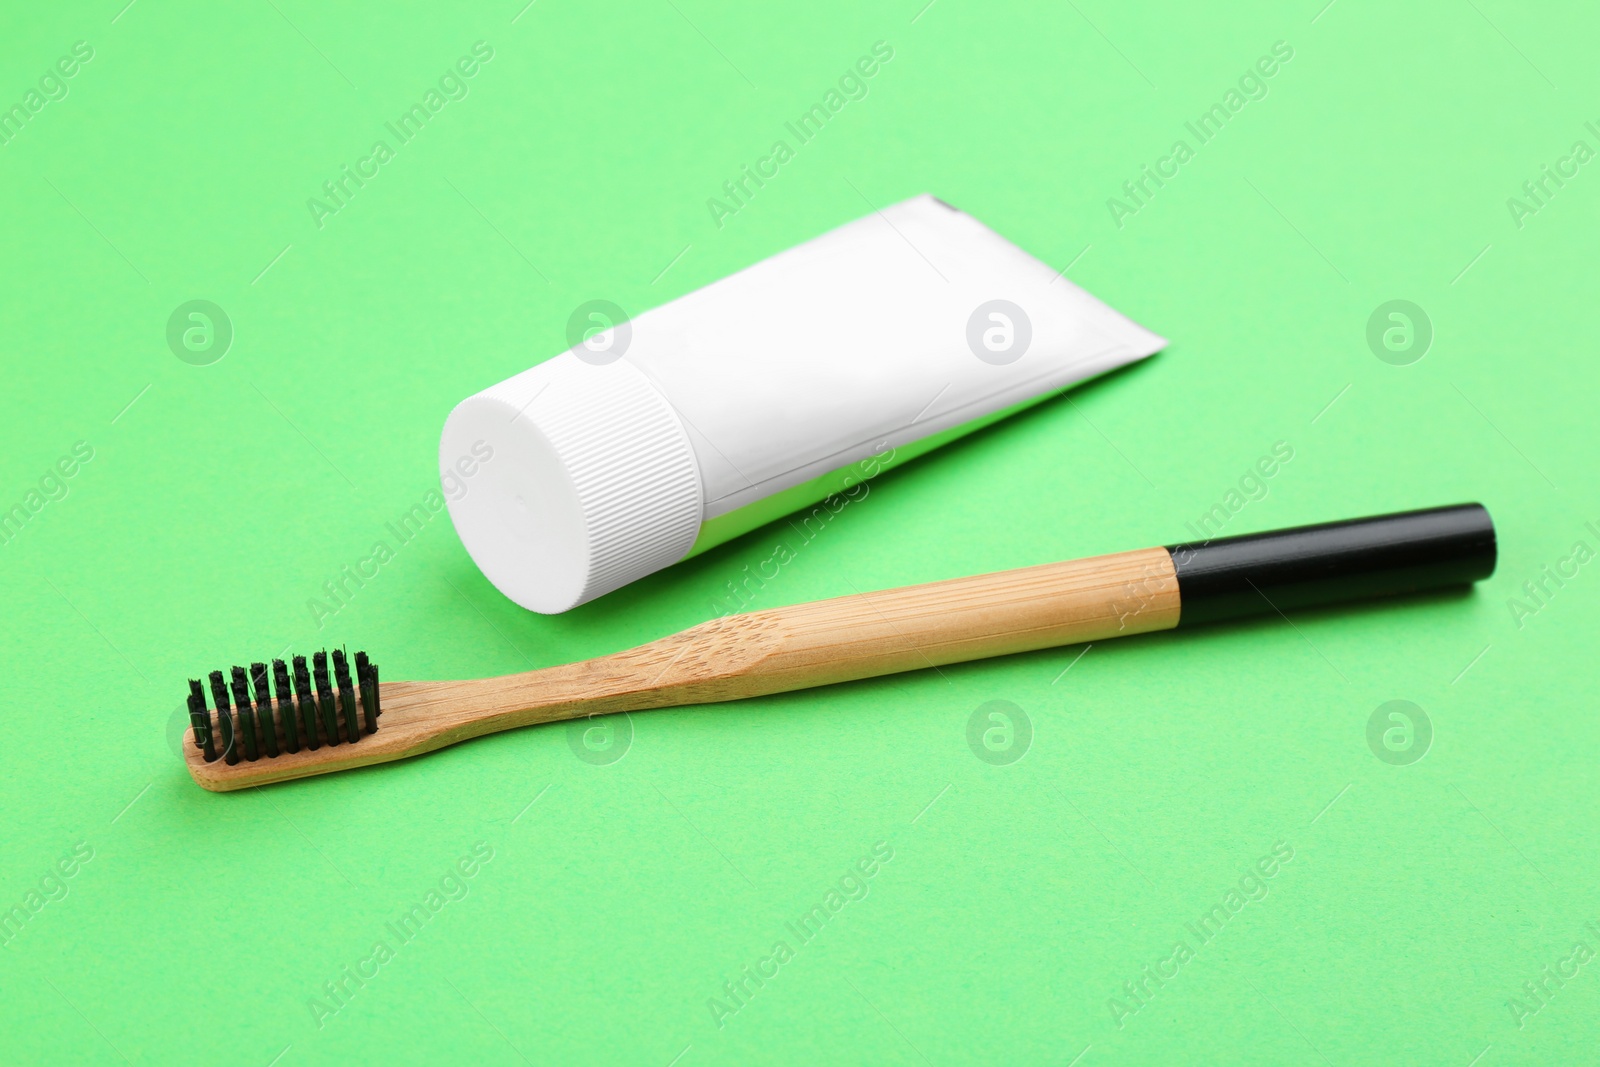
x=308, y=704
x=225, y=731
x=200, y=721
x=325, y=701
x=247, y=721
x=246, y=717
x=266, y=721
x=287, y=715
x=347, y=696
x=367, y=679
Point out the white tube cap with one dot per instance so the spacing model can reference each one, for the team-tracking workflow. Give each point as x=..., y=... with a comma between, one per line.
x=581, y=480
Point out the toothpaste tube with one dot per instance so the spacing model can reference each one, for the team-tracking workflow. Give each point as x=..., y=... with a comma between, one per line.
x=659, y=437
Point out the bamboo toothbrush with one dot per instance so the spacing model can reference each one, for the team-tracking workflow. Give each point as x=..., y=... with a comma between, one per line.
x=318, y=724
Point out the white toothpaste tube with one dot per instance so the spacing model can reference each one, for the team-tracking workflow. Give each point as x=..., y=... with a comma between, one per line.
x=699, y=420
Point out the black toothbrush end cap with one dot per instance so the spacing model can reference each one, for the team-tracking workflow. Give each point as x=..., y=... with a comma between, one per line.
x=1334, y=562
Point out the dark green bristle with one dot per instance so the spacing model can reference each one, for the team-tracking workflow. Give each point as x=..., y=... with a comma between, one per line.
x=308, y=705
x=367, y=679
x=266, y=723
x=266, y=712
x=288, y=717
x=347, y=696
x=200, y=721
x=225, y=730
x=247, y=716
x=325, y=701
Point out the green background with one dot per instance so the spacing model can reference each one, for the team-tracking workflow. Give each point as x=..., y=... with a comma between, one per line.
x=620, y=897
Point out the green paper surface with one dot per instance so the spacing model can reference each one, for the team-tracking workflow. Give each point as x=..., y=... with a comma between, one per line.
x=1307, y=878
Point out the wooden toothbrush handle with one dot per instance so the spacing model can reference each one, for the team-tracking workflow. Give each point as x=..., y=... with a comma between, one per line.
x=921, y=626
x=806, y=645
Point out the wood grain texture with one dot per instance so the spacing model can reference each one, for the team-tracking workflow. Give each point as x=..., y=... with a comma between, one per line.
x=761, y=652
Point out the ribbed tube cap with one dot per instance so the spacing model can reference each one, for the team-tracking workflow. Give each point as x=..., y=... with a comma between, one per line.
x=570, y=480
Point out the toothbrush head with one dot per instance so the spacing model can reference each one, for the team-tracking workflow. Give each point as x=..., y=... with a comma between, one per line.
x=253, y=724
